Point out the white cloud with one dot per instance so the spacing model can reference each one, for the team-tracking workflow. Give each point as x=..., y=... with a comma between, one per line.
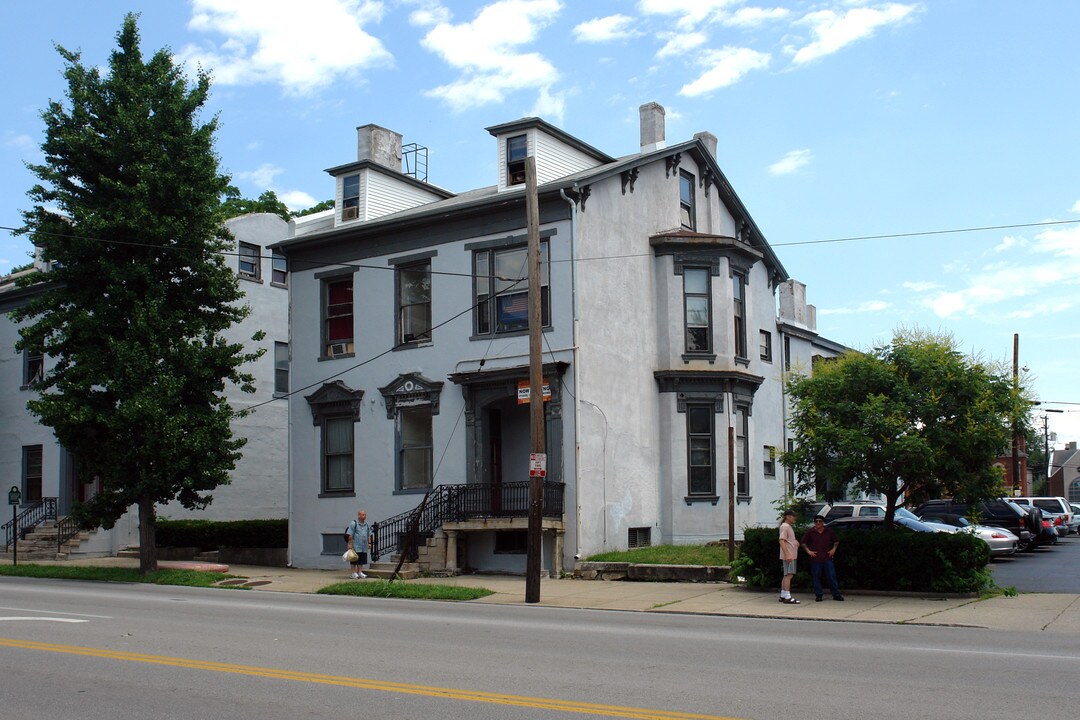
x=833, y=31
x=679, y=43
x=486, y=53
x=866, y=307
x=551, y=107
x=1063, y=242
x=754, y=16
x=920, y=286
x=605, y=29
x=262, y=176
x=273, y=42
x=794, y=160
x=1043, y=309
x=997, y=288
x=725, y=67
x=429, y=15
x=1075, y=208
x=24, y=143
x=297, y=199
x=1008, y=242
x=692, y=13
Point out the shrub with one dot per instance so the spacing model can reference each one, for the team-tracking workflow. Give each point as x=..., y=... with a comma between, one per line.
x=212, y=535
x=877, y=560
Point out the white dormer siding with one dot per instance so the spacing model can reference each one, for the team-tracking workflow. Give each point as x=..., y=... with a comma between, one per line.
x=379, y=194
x=557, y=154
x=555, y=159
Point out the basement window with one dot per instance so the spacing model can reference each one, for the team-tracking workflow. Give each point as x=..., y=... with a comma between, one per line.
x=639, y=537
x=511, y=542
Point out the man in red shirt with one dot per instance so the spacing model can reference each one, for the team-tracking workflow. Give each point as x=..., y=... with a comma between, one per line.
x=820, y=544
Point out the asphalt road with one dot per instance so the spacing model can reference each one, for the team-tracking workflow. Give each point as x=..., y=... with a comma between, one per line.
x=114, y=651
x=1055, y=568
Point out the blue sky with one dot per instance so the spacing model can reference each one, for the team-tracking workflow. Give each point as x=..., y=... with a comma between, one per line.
x=836, y=119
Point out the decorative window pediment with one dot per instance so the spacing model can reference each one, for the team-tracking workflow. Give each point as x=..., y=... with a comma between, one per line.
x=410, y=390
x=334, y=399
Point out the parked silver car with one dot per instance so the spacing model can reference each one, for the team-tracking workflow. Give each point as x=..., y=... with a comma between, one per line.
x=1002, y=542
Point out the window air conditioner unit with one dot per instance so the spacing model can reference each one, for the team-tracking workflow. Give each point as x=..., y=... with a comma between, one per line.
x=338, y=349
x=350, y=213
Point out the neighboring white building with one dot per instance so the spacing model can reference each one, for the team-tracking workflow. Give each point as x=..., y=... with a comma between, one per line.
x=31, y=457
x=661, y=341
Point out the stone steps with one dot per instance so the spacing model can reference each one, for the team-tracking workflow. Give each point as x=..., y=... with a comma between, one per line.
x=40, y=544
x=385, y=570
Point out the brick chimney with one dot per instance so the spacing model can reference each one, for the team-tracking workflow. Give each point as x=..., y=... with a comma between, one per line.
x=652, y=126
x=379, y=145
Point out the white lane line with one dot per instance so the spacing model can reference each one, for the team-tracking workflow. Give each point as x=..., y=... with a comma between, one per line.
x=57, y=612
x=48, y=619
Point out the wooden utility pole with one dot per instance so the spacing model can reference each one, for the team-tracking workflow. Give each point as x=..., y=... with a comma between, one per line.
x=536, y=387
x=1017, y=483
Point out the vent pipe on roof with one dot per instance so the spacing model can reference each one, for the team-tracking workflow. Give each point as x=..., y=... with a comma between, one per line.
x=379, y=145
x=652, y=126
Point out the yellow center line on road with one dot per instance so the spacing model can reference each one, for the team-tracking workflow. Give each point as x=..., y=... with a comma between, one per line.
x=568, y=706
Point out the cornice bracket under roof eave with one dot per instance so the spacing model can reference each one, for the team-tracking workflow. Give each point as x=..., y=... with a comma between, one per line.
x=671, y=164
x=579, y=195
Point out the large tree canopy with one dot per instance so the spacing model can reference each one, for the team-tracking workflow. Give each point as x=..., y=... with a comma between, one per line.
x=911, y=419
x=128, y=210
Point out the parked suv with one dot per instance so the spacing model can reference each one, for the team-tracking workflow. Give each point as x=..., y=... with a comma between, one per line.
x=999, y=513
x=1056, y=506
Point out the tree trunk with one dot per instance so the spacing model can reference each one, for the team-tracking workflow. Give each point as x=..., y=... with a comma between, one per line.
x=147, y=536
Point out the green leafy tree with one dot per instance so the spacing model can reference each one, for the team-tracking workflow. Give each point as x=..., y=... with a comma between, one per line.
x=318, y=207
x=235, y=205
x=140, y=292
x=1035, y=442
x=912, y=419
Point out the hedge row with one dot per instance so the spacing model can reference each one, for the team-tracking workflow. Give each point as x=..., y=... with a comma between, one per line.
x=212, y=535
x=876, y=560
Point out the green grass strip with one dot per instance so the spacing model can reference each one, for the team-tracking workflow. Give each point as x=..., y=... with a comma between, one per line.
x=188, y=578
x=410, y=591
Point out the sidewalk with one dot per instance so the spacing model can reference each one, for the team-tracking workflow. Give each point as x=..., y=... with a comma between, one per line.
x=1041, y=612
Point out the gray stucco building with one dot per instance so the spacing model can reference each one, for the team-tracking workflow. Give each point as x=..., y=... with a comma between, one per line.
x=669, y=324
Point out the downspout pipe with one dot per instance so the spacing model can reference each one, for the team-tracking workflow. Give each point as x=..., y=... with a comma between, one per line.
x=574, y=354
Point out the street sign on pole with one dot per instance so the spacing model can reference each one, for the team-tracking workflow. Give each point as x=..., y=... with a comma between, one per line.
x=537, y=465
x=14, y=497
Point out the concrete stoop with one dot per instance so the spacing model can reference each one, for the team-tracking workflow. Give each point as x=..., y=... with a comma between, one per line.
x=40, y=544
x=431, y=560
x=385, y=570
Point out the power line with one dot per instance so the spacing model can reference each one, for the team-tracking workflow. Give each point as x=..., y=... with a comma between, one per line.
x=927, y=232
x=389, y=350
x=853, y=238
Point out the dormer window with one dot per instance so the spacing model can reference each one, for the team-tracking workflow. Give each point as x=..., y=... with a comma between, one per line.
x=350, y=197
x=517, y=149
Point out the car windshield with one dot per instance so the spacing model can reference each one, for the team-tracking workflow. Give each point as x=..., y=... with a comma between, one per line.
x=915, y=524
x=905, y=513
x=1016, y=507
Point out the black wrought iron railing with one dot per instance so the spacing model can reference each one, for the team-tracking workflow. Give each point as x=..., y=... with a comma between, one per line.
x=30, y=517
x=66, y=528
x=457, y=503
